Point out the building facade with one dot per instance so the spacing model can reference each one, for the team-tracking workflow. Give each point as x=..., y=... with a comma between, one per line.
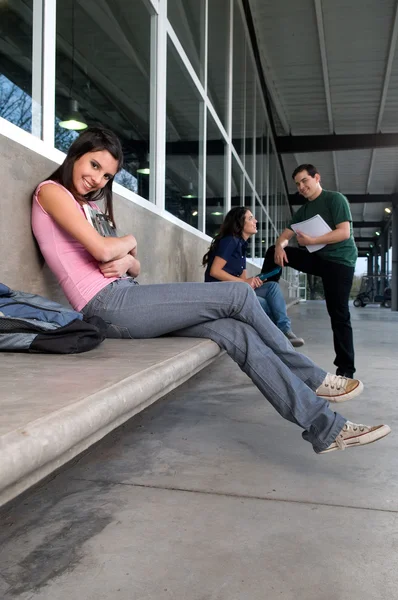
x=176, y=80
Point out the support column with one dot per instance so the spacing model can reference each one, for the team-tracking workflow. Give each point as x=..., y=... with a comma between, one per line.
x=370, y=264
x=376, y=270
x=376, y=259
x=394, y=280
x=383, y=269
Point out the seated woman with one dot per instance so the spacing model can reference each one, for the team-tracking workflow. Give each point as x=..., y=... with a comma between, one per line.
x=226, y=261
x=91, y=270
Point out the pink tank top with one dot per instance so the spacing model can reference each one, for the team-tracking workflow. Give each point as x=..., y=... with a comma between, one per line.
x=76, y=269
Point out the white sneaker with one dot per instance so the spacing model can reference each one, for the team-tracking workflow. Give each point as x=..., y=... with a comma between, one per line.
x=357, y=435
x=337, y=388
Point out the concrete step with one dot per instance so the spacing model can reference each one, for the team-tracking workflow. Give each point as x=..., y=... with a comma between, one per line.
x=53, y=407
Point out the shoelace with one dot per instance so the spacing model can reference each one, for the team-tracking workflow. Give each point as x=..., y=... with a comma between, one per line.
x=349, y=427
x=335, y=381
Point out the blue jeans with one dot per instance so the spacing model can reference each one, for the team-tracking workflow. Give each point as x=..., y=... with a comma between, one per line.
x=231, y=316
x=273, y=303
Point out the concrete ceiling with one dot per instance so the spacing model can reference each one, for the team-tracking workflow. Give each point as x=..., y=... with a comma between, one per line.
x=331, y=70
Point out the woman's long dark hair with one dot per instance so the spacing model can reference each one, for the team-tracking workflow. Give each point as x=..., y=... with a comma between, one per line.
x=233, y=224
x=92, y=139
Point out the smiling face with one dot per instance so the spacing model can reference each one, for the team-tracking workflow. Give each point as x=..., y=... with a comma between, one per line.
x=308, y=186
x=92, y=171
x=250, y=225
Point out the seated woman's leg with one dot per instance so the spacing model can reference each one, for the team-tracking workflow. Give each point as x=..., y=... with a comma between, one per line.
x=265, y=307
x=147, y=311
x=271, y=294
x=287, y=393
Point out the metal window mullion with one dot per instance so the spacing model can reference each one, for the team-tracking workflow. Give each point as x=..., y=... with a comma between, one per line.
x=229, y=83
x=243, y=150
x=202, y=168
x=157, y=157
x=154, y=4
x=253, y=173
x=267, y=189
x=37, y=68
x=202, y=187
x=48, y=70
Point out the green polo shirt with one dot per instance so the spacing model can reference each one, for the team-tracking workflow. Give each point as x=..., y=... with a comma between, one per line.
x=334, y=208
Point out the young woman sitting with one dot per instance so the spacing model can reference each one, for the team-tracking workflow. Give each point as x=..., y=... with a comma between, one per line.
x=226, y=261
x=91, y=270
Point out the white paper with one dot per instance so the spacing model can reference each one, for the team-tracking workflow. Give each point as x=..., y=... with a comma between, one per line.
x=313, y=227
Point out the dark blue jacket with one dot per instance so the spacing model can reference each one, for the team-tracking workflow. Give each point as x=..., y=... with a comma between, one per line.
x=233, y=250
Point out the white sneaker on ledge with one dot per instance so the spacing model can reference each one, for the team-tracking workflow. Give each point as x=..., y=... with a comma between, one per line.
x=353, y=434
x=337, y=388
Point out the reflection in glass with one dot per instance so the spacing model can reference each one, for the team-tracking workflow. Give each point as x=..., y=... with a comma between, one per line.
x=250, y=113
x=218, y=39
x=237, y=184
x=103, y=64
x=183, y=135
x=215, y=169
x=187, y=19
x=239, y=82
x=16, y=66
x=259, y=240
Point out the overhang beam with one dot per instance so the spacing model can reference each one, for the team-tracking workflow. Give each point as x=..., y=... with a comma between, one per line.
x=387, y=199
x=371, y=224
x=291, y=144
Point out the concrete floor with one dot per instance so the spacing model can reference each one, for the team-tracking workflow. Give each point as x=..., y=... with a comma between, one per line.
x=210, y=495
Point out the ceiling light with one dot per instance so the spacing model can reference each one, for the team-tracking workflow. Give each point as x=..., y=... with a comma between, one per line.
x=74, y=119
x=387, y=210
x=143, y=166
x=217, y=214
x=195, y=212
x=190, y=191
x=377, y=232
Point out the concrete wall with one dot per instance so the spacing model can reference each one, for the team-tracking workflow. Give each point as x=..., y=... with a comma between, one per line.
x=167, y=252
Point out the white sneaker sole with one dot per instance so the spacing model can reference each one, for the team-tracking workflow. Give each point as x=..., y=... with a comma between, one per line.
x=361, y=440
x=346, y=396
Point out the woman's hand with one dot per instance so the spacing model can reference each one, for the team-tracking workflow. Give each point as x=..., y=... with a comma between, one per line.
x=117, y=267
x=254, y=282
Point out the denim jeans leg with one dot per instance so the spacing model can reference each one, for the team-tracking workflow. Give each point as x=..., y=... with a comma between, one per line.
x=148, y=311
x=264, y=305
x=230, y=314
x=292, y=399
x=271, y=293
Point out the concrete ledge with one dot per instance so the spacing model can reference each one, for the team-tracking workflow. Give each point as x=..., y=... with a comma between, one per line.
x=54, y=407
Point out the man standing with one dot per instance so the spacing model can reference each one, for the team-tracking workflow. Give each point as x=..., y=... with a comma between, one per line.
x=334, y=263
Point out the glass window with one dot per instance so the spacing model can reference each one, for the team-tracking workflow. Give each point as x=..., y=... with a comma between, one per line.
x=103, y=73
x=16, y=34
x=187, y=19
x=250, y=109
x=259, y=240
x=260, y=147
x=237, y=184
x=183, y=141
x=239, y=83
x=218, y=51
x=215, y=177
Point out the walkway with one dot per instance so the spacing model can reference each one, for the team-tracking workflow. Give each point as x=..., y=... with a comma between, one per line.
x=210, y=495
